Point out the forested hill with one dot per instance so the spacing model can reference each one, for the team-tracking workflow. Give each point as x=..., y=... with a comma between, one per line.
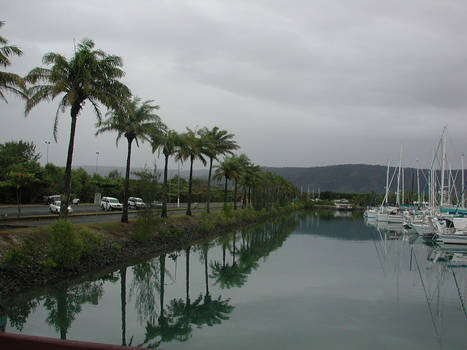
x=349, y=178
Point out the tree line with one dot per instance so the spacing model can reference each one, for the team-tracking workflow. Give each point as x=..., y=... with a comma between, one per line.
x=93, y=76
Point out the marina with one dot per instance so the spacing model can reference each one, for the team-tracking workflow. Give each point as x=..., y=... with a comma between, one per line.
x=315, y=279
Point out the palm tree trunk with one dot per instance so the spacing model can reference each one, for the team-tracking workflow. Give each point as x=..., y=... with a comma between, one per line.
x=190, y=183
x=165, y=194
x=225, y=191
x=127, y=184
x=187, y=281
x=234, y=247
x=208, y=195
x=235, y=195
x=123, y=303
x=67, y=191
x=18, y=200
x=206, y=270
x=162, y=280
x=244, y=197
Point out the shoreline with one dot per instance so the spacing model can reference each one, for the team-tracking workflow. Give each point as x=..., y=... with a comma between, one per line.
x=120, y=249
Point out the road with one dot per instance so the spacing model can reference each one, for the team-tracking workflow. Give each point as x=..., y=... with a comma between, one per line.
x=39, y=215
x=42, y=209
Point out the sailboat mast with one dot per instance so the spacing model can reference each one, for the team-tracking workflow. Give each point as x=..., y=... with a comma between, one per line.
x=449, y=184
x=398, y=194
x=443, y=167
x=387, y=185
x=462, y=165
x=418, y=184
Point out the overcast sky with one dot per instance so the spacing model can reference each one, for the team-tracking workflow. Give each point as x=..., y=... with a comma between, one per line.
x=299, y=83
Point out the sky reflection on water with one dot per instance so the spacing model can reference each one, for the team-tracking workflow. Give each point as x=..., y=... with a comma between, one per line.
x=313, y=280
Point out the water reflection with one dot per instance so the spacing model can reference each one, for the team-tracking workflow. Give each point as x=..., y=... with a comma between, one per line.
x=441, y=272
x=157, y=310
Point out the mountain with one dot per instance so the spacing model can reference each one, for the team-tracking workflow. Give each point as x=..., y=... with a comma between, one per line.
x=348, y=178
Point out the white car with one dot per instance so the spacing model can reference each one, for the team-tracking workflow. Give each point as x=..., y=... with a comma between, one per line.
x=110, y=203
x=55, y=207
x=136, y=203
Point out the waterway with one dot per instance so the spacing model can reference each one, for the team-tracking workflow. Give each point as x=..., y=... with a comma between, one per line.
x=314, y=280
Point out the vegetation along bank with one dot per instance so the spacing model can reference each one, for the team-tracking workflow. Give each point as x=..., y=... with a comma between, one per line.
x=44, y=256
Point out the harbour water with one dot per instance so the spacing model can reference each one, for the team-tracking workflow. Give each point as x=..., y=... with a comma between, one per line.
x=318, y=280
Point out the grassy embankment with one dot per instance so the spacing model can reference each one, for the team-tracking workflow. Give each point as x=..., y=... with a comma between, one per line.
x=40, y=256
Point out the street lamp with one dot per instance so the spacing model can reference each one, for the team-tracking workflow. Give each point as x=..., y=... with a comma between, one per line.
x=47, y=152
x=97, y=160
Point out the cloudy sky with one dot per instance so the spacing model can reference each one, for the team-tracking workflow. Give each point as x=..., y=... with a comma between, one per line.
x=299, y=83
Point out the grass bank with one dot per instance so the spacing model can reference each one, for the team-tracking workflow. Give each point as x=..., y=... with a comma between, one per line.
x=33, y=257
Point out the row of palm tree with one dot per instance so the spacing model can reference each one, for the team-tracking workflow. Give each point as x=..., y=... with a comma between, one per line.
x=93, y=76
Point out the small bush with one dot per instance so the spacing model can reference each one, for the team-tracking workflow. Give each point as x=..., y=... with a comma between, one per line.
x=66, y=247
x=228, y=211
x=146, y=223
x=116, y=247
x=92, y=240
x=206, y=223
x=20, y=256
x=142, y=231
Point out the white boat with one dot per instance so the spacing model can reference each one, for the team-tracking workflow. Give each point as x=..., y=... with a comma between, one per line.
x=448, y=234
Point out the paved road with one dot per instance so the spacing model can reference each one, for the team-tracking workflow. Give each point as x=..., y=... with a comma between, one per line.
x=38, y=209
x=95, y=215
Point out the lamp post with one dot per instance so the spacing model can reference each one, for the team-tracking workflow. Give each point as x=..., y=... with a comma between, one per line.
x=97, y=160
x=47, y=152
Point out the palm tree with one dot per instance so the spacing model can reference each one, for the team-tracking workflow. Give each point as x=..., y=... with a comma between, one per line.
x=215, y=142
x=227, y=169
x=133, y=120
x=89, y=76
x=251, y=176
x=241, y=163
x=168, y=142
x=9, y=81
x=191, y=147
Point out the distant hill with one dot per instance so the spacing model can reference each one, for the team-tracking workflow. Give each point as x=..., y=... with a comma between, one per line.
x=347, y=178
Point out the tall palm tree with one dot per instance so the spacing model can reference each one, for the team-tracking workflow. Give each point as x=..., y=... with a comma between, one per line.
x=133, y=120
x=241, y=163
x=251, y=176
x=215, y=142
x=89, y=76
x=167, y=143
x=226, y=169
x=10, y=81
x=191, y=147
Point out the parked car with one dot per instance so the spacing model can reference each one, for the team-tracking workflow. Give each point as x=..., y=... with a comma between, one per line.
x=136, y=203
x=110, y=203
x=51, y=199
x=55, y=207
x=75, y=201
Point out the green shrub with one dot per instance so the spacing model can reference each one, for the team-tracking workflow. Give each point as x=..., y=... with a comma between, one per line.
x=66, y=247
x=116, y=247
x=20, y=256
x=228, y=211
x=148, y=220
x=142, y=232
x=92, y=240
x=206, y=223
x=246, y=215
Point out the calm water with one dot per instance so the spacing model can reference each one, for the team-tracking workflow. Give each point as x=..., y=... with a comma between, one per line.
x=314, y=280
